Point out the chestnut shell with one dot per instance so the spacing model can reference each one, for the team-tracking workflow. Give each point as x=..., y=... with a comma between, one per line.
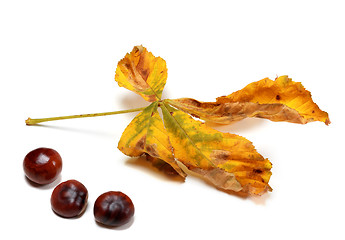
x=69, y=199
x=113, y=209
x=42, y=165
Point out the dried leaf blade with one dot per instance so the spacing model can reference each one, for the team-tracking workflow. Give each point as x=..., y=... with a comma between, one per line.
x=279, y=100
x=146, y=134
x=143, y=73
x=227, y=160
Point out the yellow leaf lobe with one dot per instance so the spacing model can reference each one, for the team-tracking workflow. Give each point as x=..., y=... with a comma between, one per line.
x=143, y=73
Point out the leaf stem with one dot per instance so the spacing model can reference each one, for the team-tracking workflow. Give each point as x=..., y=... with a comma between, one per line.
x=30, y=121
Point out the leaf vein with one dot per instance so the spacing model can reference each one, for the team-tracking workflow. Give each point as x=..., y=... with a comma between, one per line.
x=185, y=133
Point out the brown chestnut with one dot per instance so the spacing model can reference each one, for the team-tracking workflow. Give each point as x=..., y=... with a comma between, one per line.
x=42, y=165
x=113, y=209
x=69, y=199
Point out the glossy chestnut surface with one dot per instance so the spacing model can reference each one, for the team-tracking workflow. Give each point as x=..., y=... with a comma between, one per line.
x=42, y=165
x=113, y=209
x=69, y=199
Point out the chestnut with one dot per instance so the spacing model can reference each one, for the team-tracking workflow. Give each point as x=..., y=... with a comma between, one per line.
x=42, y=165
x=69, y=199
x=113, y=209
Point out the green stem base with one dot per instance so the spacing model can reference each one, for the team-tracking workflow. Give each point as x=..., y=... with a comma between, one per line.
x=30, y=121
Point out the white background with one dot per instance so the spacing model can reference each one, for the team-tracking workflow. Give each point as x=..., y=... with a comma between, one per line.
x=59, y=58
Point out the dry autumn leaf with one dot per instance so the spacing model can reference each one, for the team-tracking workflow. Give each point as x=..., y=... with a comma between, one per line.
x=279, y=100
x=228, y=161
